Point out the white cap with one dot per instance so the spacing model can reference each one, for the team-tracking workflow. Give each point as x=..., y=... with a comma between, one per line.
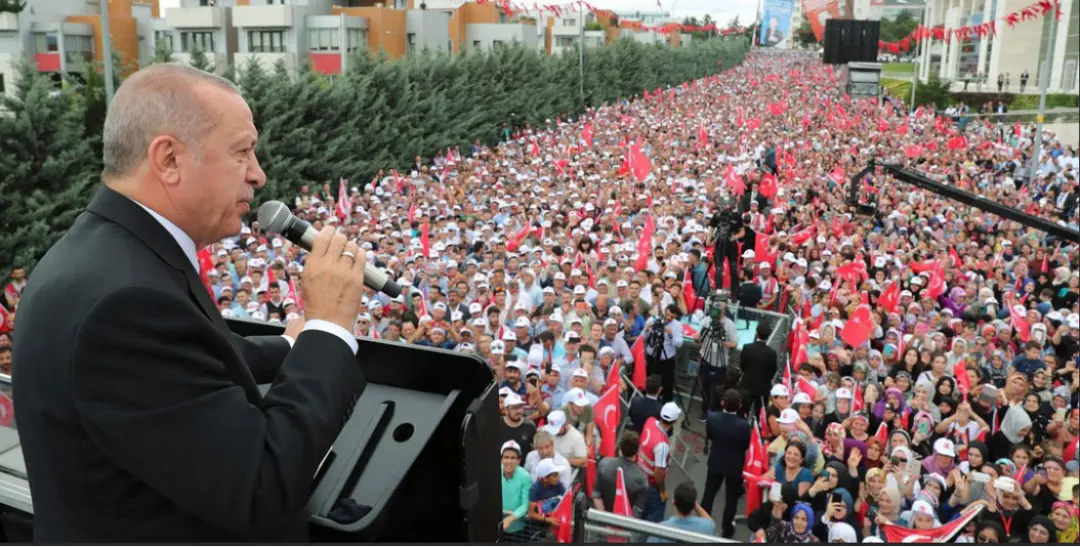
x=546, y=467
x=843, y=393
x=505, y=391
x=579, y=373
x=1073, y=320
x=497, y=347
x=521, y=322
x=922, y=506
x=511, y=445
x=801, y=398
x=556, y=420
x=842, y=532
x=670, y=412
x=577, y=397
x=513, y=400
x=788, y=416
x=944, y=447
x=779, y=390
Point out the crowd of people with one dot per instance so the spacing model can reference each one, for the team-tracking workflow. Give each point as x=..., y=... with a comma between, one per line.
x=933, y=362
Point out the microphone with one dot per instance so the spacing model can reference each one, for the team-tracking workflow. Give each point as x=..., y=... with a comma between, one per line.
x=275, y=217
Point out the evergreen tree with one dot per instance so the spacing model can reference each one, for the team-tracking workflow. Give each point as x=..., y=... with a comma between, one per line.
x=48, y=170
x=163, y=52
x=200, y=60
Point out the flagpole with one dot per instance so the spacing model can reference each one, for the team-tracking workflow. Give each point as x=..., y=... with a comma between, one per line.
x=1044, y=83
x=581, y=54
x=914, y=84
x=106, y=51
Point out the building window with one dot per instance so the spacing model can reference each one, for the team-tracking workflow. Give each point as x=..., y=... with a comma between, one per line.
x=410, y=41
x=476, y=44
x=569, y=22
x=266, y=41
x=46, y=43
x=78, y=49
x=203, y=40
x=1, y=84
x=357, y=39
x=565, y=41
x=164, y=37
x=324, y=39
x=497, y=43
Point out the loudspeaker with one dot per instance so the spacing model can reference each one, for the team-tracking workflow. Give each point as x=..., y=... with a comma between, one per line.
x=851, y=40
x=418, y=459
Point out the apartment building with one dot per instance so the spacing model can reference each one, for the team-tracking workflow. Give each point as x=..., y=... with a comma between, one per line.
x=1010, y=51
x=63, y=36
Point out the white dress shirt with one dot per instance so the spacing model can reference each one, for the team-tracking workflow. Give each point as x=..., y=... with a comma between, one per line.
x=188, y=246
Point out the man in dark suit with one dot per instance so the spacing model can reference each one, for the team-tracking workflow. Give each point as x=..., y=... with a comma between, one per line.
x=758, y=363
x=643, y=408
x=729, y=439
x=139, y=412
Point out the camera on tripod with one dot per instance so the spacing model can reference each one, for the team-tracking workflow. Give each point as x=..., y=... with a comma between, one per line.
x=714, y=306
x=726, y=221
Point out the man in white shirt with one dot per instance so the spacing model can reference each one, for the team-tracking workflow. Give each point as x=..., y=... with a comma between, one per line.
x=568, y=441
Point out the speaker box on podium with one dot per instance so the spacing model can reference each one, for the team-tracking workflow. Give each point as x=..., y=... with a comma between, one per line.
x=851, y=40
x=418, y=459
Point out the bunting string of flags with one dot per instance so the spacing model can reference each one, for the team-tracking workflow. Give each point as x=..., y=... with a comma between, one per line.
x=512, y=8
x=1038, y=9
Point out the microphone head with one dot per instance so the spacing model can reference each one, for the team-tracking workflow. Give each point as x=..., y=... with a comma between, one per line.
x=274, y=216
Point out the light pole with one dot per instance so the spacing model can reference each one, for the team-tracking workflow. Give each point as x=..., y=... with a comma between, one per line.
x=1044, y=82
x=581, y=53
x=106, y=51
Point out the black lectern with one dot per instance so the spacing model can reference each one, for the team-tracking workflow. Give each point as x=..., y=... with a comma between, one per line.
x=418, y=459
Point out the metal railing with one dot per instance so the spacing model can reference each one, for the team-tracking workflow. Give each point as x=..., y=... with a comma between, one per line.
x=604, y=527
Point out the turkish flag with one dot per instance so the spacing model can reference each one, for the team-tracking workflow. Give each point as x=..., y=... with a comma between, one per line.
x=777, y=108
x=837, y=175
x=958, y=142
x=608, y=415
x=768, y=186
x=858, y=328
x=913, y=151
x=564, y=515
x=882, y=434
x=857, y=403
x=425, y=239
x=935, y=287
x=206, y=264
x=644, y=245
x=590, y=476
x=890, y=297
x=1018, y=319
x=614, y=375
x=640, y=166
x=295, y=295
x=412, y=213
x=7, y=410
x=586, y=135
x=638, y=352
x=689, y=295
x=622, y=501
x=755, y=465
x=962, y=380
x=515, y=240
x=804, y=386
x=942, y=534
x=734, y=182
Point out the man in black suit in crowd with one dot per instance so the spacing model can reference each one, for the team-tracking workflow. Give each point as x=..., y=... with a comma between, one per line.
x=758, y=362
x=139, y=412
x=729, y=439
x=643, y=408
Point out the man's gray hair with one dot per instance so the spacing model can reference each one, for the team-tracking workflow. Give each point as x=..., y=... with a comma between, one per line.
x=157, y=100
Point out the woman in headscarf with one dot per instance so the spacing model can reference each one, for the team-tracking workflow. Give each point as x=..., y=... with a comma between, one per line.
x=833, y=445
x=888, y=511
x=1014, y=429
x=799, y=530
x=944, y=459
x=1066, y=521
x=893, y=396
x=1041, y=530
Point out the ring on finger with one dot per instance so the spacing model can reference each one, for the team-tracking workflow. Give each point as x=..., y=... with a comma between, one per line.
x=349, y=254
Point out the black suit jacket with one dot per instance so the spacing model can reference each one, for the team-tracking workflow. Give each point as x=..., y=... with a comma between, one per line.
x=729, y=440
x=139, y=413
x=758, y=363
x=641, y=409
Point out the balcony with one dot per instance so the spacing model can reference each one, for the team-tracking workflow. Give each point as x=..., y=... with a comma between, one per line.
x=266, y=60
x=9, y=22
x=202, y=17
x=262, y=16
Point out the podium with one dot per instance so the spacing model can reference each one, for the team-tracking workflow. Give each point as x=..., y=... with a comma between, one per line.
x=418, y=459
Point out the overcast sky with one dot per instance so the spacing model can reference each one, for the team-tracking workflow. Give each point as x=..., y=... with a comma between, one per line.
x=721, y=10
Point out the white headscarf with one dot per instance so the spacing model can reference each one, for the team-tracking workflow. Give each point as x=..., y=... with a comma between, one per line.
x=1015, y=420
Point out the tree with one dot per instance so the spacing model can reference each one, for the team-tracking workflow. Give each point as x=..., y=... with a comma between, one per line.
x=899, y=27
x=804, y=36
x=12, y=6
x=48, y=169
x=934, y=91
x=163, y=52
x=200, y=60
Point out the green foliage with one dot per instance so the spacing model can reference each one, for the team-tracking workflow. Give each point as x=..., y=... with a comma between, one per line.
x=804, y=36
x=935, y=91
x=975, y=98
x=48, y=170
x=377, y=115
x=593, y=26
x=12, y=6
x=162, y=52
x=899, y=27
x=199, y=59
x=1053, y=100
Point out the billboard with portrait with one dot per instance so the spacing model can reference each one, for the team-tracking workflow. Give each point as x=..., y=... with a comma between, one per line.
x=776, y=23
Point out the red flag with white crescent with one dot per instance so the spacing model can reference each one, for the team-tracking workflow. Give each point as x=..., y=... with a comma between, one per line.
x=755, y=465
x=564, y=516
x=608, y=417
x=942, y=534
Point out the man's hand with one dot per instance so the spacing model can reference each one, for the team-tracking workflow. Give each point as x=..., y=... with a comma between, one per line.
x=293, y=329
x=334, y=279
